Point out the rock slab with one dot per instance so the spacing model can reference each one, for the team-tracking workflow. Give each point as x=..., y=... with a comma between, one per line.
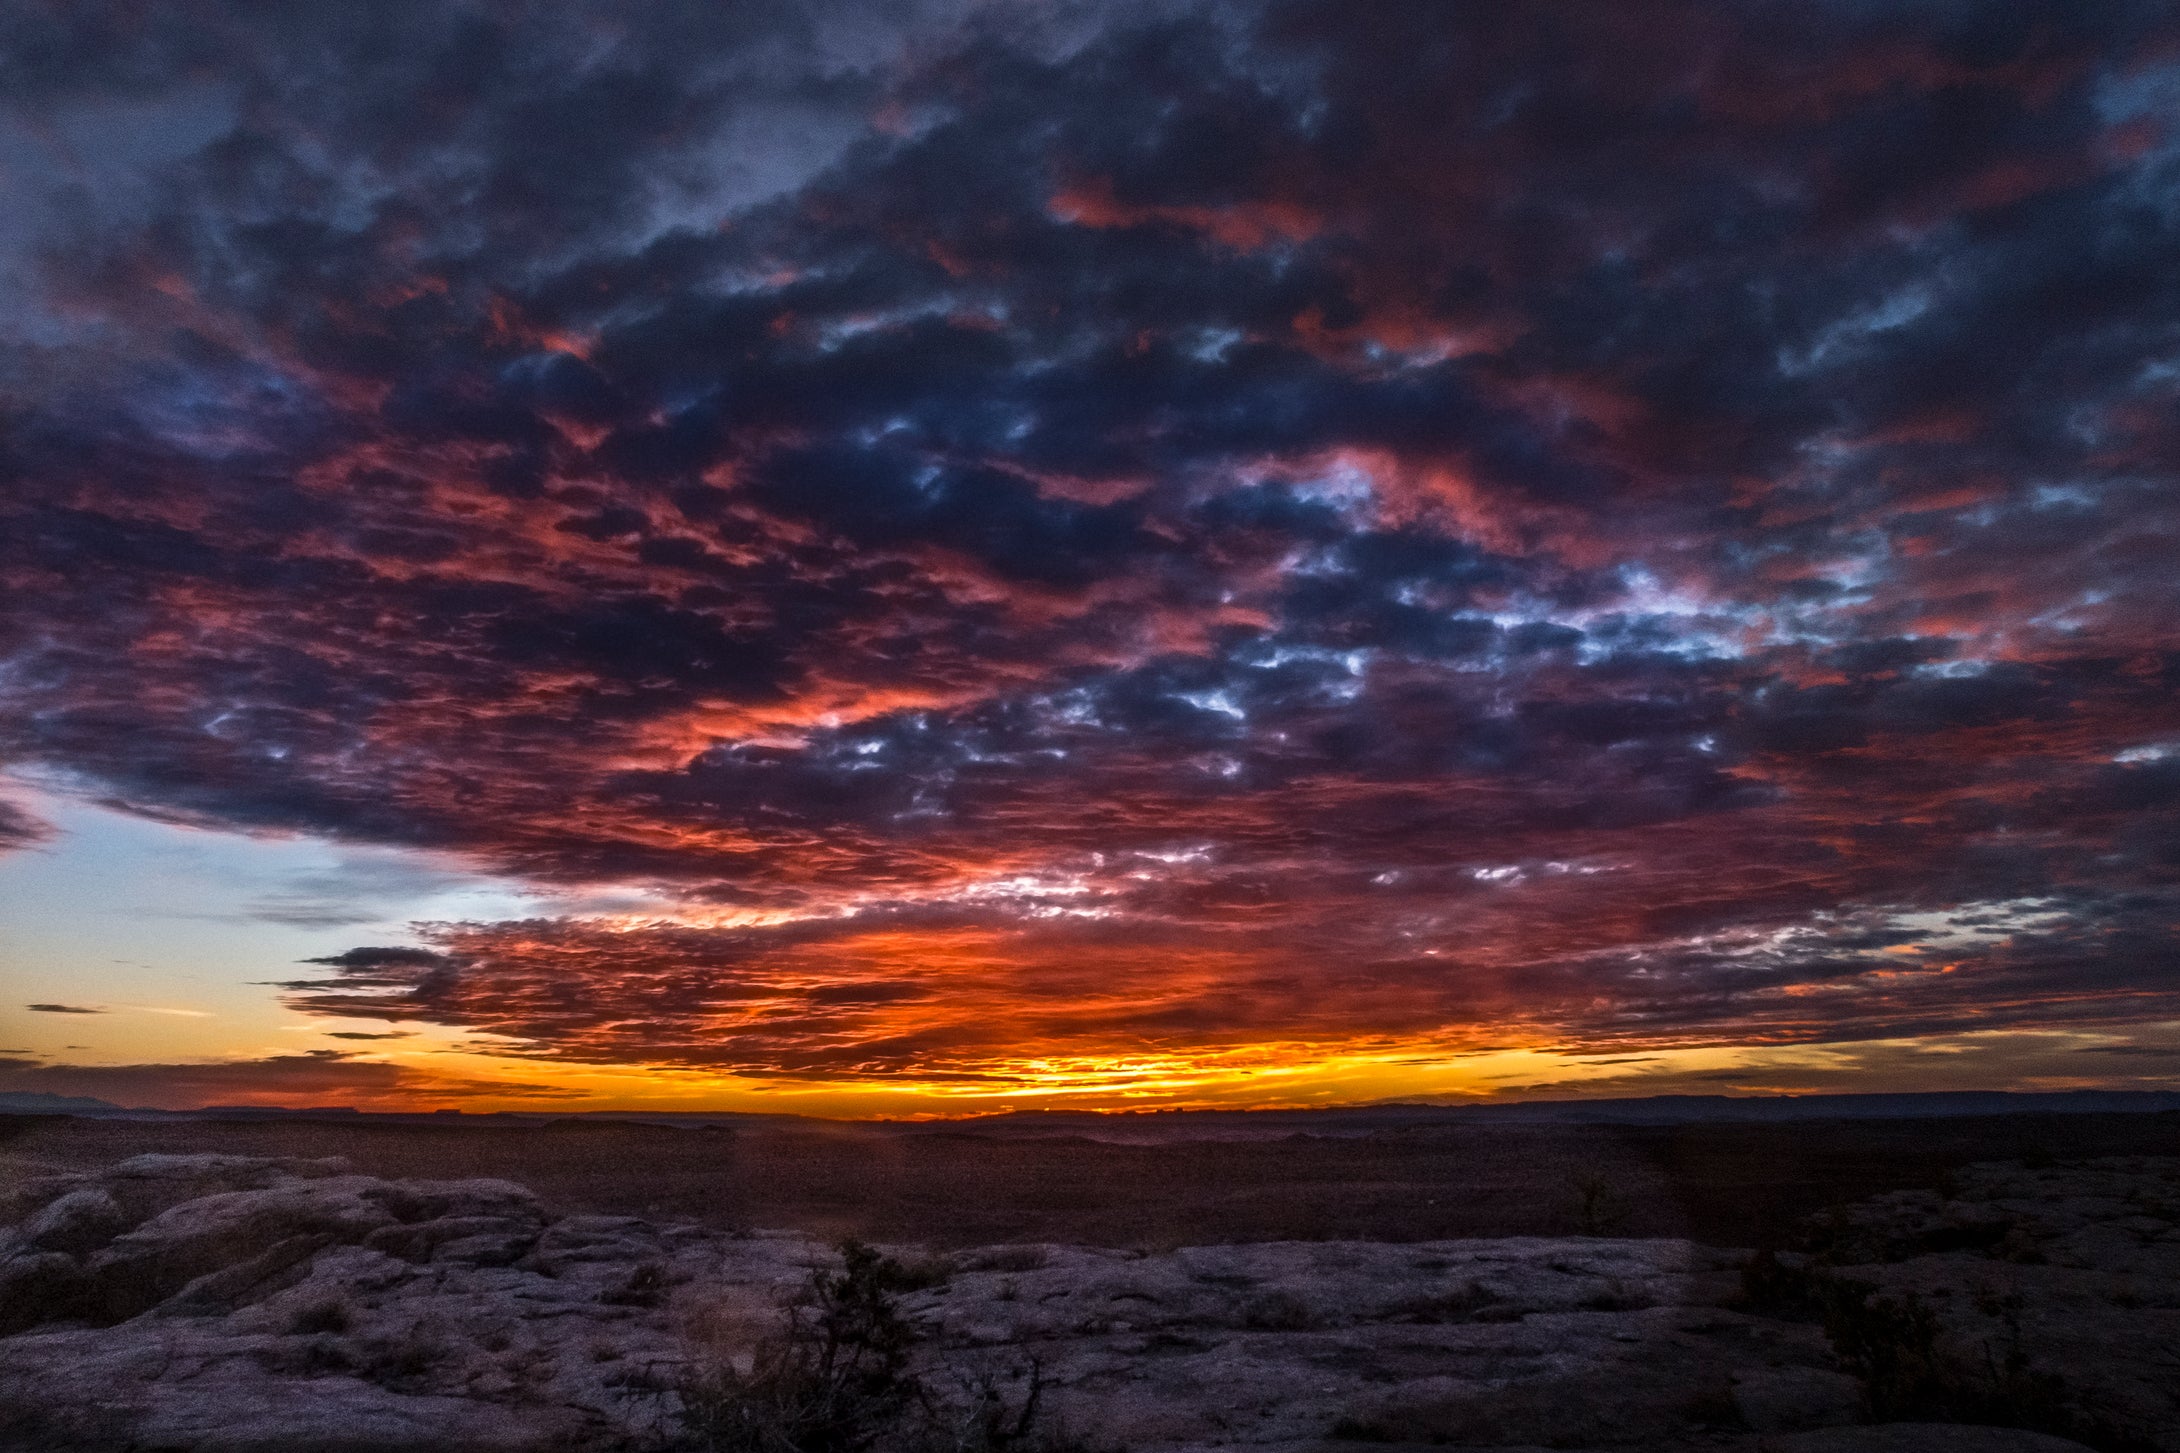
x=233, y=1303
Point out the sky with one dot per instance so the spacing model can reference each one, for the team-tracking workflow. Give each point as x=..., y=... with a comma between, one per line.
x=906, y=559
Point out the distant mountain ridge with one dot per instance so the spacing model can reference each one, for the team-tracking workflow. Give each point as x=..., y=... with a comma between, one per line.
x=33, y=1102
x=1646, y=1110
x=1230, y=1124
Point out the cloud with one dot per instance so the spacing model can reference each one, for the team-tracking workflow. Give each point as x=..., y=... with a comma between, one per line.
x=1165, y=529
x=2024, y=1059
x=318, y=1077
x=1030, y=973
x=61, y=1009
x=18, y=829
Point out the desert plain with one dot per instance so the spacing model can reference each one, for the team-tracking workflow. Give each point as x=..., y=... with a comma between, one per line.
x=2000, y=1282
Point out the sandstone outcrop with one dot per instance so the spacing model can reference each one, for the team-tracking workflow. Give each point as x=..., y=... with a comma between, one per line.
x=228, y=1303
x=2045, y=1294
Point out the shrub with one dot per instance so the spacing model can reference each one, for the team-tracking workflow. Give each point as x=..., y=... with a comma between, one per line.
x=43, y=1288
x=644, y=1286
x=1599, y=1209
x=835, y=1379
x=831, y=1381
x=1350, y=1429
x=1457, y=1304
x=1278, y=1311
x=986, y=1419
x=1778, y=1285
x=327, y=1314
x=922, y=1274
x=402, y=1363
x=29, y=1424
x=1889, y=1343
x=1616, y=1296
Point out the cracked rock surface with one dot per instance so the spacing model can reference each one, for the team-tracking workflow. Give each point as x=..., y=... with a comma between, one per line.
x=2055, y=1289
x=215, y=1302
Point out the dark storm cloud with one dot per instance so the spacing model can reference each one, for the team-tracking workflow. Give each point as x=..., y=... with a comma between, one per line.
x=18, y=829
x=1189, y=525
x=382, y=958
x=315, y=1077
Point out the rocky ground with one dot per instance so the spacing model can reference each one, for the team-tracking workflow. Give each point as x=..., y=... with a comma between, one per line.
x=230, y=1303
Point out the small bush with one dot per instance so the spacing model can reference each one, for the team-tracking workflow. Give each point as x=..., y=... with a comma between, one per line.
x=45, y=1288
x=1278, y=1311
x=1890, y=1342
x=1351, y=1429
x=33, y=1425
x=1599, y=1209
x=1712, y=1406
x=835, y=1379
x=1459, y=1304
x=1776, y=1285
x=831, y=1381
x=644, y=1286
x=327, y=1314
x=401, y=1363
x=1616, y=1296
x=922, y=1274
x=986, y=1418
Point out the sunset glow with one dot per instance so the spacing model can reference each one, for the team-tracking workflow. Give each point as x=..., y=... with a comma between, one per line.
x=916, y=560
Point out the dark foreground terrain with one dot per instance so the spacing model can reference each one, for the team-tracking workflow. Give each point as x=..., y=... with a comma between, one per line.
x=1989, y=1286
x=1725, y=1185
